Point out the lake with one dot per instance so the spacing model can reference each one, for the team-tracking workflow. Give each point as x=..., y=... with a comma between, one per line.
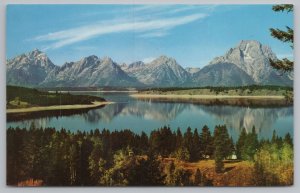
x=147, y=115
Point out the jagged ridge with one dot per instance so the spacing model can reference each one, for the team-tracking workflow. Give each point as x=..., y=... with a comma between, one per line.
x=245, y=64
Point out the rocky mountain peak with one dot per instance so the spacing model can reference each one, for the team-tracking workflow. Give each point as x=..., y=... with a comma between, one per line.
x=32, y=58
x=164, y=60
x=253, y=58
x=106, y=59
x=29, y=69
x=108, y=63
x=90, y=58
x=34, y=53
x=245, y=64
x=169, y=64
x=88, y=61
x=137, y=64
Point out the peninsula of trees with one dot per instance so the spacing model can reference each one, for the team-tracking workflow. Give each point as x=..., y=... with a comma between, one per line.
x=20, y=97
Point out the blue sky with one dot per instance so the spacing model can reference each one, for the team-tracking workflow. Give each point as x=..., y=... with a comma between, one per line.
x=192, y=34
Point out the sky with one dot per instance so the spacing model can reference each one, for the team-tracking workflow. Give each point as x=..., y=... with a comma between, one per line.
x=192, y=34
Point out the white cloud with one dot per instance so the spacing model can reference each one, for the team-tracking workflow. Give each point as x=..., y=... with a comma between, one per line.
x=154, y=34
x=74, y=35
x=182, y=9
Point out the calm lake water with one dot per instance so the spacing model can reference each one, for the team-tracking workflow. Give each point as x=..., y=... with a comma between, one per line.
x=137, y=115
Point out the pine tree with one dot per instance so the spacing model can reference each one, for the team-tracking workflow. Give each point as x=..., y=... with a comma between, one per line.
x=241, y=143
x=251, y=145
x=188, y=140
x=287, y=36
x=206, y=143
x=151, y=171
x=144, y=142
x=288, y=139
x=195, y=151
x=179, y=139
x=222, y=145
x=231, y=147
x=274, y=137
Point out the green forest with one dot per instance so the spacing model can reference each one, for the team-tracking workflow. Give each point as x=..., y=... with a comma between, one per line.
x=20, y=97
x=223, y=88
x=49, y=157
x=251, y=90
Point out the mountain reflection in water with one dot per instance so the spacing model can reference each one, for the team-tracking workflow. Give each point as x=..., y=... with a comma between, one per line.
x=147, y=115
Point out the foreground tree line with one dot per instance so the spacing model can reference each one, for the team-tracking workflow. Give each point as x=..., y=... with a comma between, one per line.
x=120, y=158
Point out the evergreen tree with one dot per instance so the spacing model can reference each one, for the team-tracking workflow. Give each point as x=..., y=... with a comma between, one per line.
x=241, y=143
x=206, y=143
x=288, y=139
x=284, y=36
x=144, y=142
x=251, y=145
x=60, y=157
x=195, y=151
x=274, y=137
x=188, y=141
x=73, y=159
x=179, y=139
x=16, y=162
x=153, y=175
x=222, y=145
x=231, y=147
x=247, y=145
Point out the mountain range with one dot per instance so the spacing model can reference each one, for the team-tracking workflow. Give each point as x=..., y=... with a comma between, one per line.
x=245, y=64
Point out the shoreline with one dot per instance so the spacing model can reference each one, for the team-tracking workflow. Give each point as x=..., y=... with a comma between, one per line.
x=174, y=96
x=58, y=107
x=95, y=91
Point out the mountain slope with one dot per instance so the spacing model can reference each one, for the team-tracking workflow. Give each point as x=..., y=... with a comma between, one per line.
x=35, y=69
x=245, y=64
x=253, y=58
x=222, y=74
x=91, y=71
x=163, y=71
x=29, y=69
